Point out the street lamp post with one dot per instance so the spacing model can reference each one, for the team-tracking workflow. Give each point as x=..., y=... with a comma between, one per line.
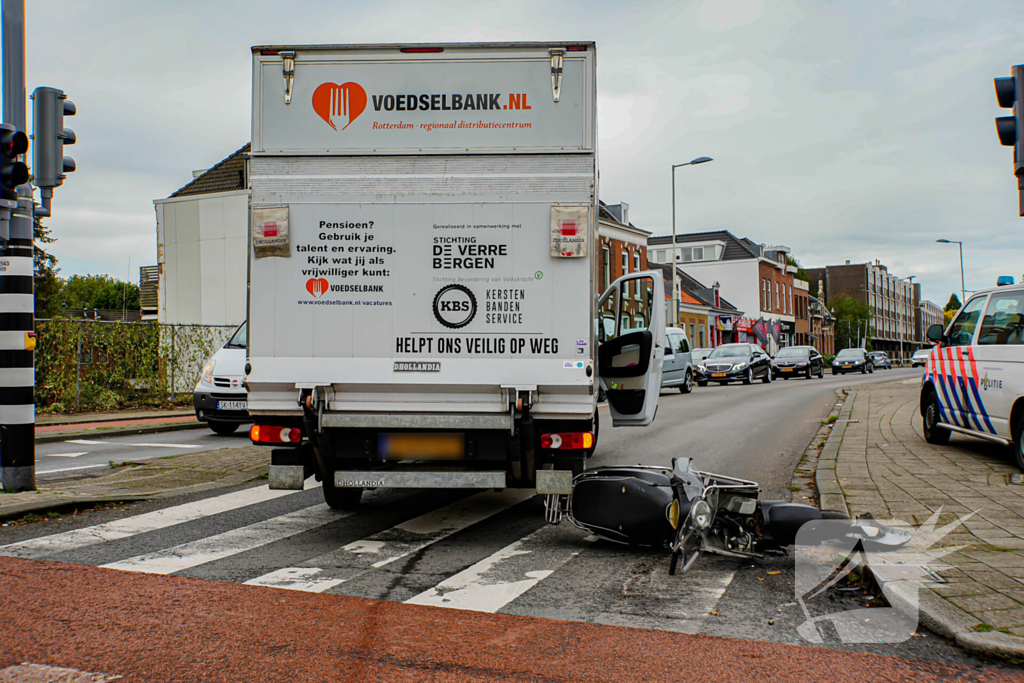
x=675, y=276
x=963, y=289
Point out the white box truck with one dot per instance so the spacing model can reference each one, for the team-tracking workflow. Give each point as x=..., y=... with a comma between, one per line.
x=423, y=251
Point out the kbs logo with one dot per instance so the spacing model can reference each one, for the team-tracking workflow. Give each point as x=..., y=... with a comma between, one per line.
x=344, y=102
x=317, y=286
x=454, y=306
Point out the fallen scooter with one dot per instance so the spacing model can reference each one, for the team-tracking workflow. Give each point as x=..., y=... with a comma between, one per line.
x=689, y=512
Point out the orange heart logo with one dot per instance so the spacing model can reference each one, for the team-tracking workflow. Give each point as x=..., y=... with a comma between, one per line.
x=345, y=102
x=317, y=287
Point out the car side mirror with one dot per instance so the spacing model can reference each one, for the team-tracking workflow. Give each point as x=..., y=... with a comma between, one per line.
x=935, y=333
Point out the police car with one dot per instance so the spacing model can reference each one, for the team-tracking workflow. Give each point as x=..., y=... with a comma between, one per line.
x=974, y=378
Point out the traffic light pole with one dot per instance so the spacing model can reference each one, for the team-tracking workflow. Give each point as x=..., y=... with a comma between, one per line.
x=17, y=304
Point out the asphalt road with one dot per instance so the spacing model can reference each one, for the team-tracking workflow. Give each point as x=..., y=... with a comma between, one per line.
x=491, y=551
x=82, y=455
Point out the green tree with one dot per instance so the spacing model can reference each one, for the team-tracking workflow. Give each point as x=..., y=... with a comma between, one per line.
x=99, y=291
x=852, y=321
x=801, y=274
x=953, y=304
x=47, y=283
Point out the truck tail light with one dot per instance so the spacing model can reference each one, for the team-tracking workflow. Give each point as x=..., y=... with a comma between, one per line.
x=567, y=441
x=274, y=434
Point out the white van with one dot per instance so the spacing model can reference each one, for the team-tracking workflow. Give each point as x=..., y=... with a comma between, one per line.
x=677, y=368
x=974, y=380
x=220, y=399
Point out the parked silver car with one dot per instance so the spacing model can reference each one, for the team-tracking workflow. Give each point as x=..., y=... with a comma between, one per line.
x=677, y=368
x=920, y=357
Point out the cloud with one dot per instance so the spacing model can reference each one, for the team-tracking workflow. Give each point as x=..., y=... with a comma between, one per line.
x=845, y=130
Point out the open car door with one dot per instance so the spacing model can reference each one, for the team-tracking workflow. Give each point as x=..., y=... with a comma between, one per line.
x=631, y=346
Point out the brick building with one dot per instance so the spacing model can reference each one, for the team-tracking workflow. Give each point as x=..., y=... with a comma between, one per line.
x=801, y=313
x=893, y=302
x=622, y=247
x=756, y=278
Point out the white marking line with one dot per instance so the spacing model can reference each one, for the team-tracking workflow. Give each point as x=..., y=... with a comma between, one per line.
x=495, y=581
x=399, y=541
x=240, y=540
x=140, y=524
x=84, y=442
x=64, y=455
x=72, y=469
x=163, y=445
x=296, y=579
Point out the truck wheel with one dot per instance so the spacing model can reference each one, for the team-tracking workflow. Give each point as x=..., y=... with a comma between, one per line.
x=597, y=432
x=687, y=385
x=1018, y=442
x=933, y=434
x=340, y=498
x=222, y=428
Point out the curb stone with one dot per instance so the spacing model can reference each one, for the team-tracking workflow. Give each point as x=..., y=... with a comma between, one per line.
x=118, y=431
x=912, y=598
x=830, y=493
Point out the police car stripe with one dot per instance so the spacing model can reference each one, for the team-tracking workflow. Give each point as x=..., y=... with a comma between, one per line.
x=961, y=378
x=948, y=385
x=975, y=385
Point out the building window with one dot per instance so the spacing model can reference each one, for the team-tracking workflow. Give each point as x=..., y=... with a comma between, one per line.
x=777, y=296
x=698, y=253
x=685, y=254
x=660, y=256
x=636, y=269
x=606, y=266
x=625, y=268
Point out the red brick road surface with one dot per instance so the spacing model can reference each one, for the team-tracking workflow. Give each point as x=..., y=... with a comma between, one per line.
x=167, y=628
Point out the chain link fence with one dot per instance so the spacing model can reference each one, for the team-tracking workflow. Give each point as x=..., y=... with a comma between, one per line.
x=98, y=365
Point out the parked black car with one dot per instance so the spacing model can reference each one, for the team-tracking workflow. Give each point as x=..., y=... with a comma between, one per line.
x=880, y=360
x=735, y=362
x=852, y=360
x=799, y=361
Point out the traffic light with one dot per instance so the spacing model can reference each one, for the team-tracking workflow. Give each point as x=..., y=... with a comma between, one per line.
x=1010, y=94
x=13, y=143
x=49, y=108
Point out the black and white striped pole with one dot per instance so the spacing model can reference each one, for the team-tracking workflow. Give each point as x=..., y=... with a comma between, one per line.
x=17, y=306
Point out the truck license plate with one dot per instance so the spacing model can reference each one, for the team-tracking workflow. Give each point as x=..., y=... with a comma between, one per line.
x=412, y=446
x=232, y=405
x=718, y=374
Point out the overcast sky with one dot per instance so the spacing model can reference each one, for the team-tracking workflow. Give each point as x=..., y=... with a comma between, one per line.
x=845, y=129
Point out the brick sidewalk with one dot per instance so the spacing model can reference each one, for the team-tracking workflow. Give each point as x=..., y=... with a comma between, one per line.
x=883, y=465
x=163, y=477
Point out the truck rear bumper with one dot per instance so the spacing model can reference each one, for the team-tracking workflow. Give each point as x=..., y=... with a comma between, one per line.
x=480, y=479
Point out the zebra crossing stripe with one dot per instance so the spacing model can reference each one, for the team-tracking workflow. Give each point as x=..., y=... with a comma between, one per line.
x=392, y=544
x=497, y=580
x=240, y=540
x=35, y=548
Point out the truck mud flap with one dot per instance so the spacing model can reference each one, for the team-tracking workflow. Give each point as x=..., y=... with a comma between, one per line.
x=488, y=479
